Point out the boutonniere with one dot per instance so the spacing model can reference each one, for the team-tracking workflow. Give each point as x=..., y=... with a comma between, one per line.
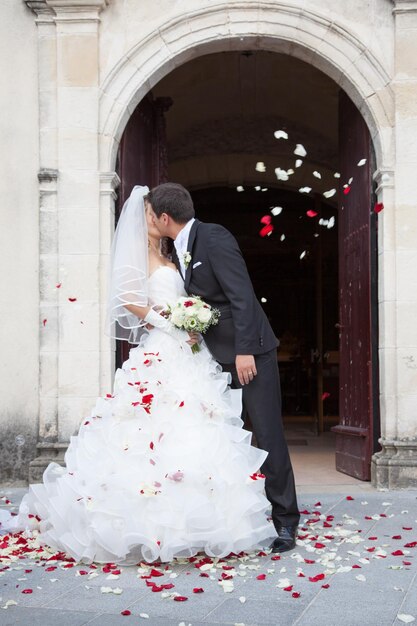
x=187, y=259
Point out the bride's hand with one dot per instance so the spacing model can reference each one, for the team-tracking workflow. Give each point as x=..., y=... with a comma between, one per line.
x=193, y=338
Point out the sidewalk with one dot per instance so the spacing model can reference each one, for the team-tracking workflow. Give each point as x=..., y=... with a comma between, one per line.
x=355, y=564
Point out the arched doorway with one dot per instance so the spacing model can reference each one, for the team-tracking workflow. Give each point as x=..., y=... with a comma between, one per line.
x=220, y=143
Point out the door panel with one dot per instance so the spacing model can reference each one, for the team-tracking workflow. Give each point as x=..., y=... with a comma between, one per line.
x=142, y=160
x=355, y=434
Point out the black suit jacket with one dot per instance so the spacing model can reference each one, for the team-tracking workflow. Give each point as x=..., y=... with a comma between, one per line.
x=217, y=272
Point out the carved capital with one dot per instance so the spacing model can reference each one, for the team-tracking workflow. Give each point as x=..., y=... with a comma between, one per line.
x=39, y=7
x=404, y=6
x=109, y=182
x=56, y=7
x=384, y=178
x=47, y=175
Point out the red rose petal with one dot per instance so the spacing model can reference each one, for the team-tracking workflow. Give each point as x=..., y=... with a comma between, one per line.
x=204, y=575
x=155, y=572
x=58, y=286
x=325, y=586
x=378, y=207
x=44, y=321
x=314, y=579
x=126, y=612
x=261, y=577
x=397, y=553
x=407, y=528
x=27, y=591
x=349, y=498
x=198, y=590
x=266, y=230
x=412, y=544
x=309, y=561
x=288, y=588
x=407, y=563
x=276, y=557
x=266, y=219
x=296, y=594
x=319, y=545
x=180, y=598
x=346, y=190
x=311, y=213
x=72, y=299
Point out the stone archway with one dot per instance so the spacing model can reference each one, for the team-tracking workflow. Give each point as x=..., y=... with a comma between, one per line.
x=275, y=27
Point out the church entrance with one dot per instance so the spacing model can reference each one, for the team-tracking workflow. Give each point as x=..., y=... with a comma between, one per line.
x=274, y=150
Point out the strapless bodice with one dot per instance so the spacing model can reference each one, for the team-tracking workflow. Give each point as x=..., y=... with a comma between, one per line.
x=165, y=286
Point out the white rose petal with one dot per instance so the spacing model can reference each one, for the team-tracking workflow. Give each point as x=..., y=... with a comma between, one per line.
x=240, y=188
x=336, y=174
x=280, y=134
x=281, y=174
x=316, y=174
x=117, y=591
x=407, y=619
x=361, y=162
x=9, y=603
x=144, y=615
x=290, y=171
x=361, y=577
x=263, y=300
x=260, y=166
x=276, y=210
x=330, y=193
x=106, y=589
x=282, y=237
x=242, y=599
x=305, y=189
x=302, y=255
x=283, y=582
x=257, y=188
x=298, y=163
x=350, y=181
x=300, y=150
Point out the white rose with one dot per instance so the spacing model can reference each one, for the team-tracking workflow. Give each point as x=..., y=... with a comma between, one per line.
x=204, y=315
x=189, y=311
x=177, y=317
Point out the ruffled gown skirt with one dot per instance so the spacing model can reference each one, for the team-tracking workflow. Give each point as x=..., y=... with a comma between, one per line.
x=161, y=469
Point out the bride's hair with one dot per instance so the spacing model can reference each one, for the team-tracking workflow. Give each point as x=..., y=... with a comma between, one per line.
x=172, y=199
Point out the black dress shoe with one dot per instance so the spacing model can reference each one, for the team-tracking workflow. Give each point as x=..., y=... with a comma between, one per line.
x=285, y=540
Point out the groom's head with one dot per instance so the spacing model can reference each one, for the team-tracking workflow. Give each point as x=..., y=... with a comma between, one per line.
x=172, y=207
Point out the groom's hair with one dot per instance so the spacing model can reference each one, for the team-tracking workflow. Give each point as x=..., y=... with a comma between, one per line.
x=172, y=199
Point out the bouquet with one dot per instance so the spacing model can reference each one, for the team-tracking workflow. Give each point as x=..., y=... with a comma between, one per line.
x=193, y=315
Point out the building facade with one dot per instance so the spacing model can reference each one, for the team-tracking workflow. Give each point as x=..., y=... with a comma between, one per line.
x=74, y=72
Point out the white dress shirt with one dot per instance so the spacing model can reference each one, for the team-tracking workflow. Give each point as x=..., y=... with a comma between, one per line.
x=181, y=243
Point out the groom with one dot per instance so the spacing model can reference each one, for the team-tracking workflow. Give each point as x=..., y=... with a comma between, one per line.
x=243, y=342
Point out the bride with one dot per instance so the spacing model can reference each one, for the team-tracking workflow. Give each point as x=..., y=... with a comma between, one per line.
x=162, y=468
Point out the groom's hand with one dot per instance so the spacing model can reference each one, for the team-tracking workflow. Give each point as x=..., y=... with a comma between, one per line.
x=246, y=368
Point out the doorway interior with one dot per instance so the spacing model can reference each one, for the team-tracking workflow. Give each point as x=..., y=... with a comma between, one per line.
x=210, y=124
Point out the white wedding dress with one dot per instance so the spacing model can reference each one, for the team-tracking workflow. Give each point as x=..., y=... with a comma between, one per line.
x=161, y=469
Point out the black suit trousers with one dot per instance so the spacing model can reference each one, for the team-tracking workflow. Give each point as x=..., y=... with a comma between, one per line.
x=262, y=401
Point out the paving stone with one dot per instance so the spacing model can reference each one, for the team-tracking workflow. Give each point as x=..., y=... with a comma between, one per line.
x=19, y=615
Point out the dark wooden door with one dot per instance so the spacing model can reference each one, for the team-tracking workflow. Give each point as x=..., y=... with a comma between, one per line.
x=142, y=160
x=358, y=430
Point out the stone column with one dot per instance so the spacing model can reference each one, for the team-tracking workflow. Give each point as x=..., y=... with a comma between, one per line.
x=70, y=220
x=396, y=465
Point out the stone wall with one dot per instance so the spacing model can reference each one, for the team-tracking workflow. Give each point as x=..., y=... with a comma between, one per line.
x=19, y=247
x=97, y=60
